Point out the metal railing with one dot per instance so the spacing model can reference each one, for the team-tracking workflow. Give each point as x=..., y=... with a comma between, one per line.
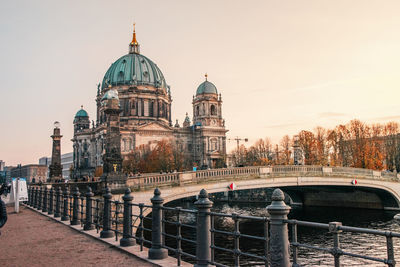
x=192, y=234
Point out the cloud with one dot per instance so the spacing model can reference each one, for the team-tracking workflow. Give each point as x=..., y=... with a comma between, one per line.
x=284, y=125
x=386, y=118
x=331, y=114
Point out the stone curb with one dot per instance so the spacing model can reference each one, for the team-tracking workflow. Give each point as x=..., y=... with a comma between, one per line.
x=132, y=251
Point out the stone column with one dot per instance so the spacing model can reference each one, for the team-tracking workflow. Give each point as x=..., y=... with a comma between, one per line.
x=203, y=250
x=89, y=218
x=156, y=252
x=279, y=240
x=57, y=212
x=106, y=232
x=127, y=239
x=75, y=207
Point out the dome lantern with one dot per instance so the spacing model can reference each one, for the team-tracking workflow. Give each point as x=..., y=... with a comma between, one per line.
x=134, y=47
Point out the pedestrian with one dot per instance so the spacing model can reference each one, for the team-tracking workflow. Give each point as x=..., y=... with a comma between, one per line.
x=3, y=213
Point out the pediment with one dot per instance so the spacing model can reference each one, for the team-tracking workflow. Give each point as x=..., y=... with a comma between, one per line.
x=154, y=126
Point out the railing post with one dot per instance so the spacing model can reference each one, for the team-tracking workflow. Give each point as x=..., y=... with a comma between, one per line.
x=127, y=239
x=44, y=204
x=39, y=206
x=65, y=216
x=279, y=239
x=75, y=207
x=106, y=232
x=89, y=217
x=156, y=252
x=58, y=203
x=203, y=248
x=29, y=196
x=336, y=251
x=35, y=202
x=51, y=202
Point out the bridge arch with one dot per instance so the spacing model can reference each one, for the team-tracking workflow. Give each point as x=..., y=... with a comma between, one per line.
x=179, y=192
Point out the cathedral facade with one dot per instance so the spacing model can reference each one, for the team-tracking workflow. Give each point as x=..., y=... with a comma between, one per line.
x=145, y=116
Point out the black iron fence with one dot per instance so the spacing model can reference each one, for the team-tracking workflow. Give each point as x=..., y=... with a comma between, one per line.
x=192, y=233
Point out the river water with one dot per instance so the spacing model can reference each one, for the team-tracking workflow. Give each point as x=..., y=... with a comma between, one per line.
x=363, y=244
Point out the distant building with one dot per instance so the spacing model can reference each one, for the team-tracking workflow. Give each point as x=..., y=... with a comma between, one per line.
x=2, y=165
x=7, y=171
x=33, y=173
x=66, y=163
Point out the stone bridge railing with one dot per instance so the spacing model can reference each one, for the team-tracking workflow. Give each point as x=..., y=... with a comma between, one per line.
x=181, y=178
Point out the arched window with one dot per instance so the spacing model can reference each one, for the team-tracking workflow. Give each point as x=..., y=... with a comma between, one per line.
x=213, y=110
x=197, y=111
x=120, y=78
x=214, y=144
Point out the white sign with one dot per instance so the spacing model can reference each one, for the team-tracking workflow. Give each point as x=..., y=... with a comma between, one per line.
x=20, y=190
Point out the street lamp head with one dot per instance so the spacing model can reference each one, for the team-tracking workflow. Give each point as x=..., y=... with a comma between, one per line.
x=57, y=124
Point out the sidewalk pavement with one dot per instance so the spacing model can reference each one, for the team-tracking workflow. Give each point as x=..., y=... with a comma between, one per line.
x=31, y=239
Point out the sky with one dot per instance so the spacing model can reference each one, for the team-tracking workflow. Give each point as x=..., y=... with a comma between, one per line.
x=281, y=66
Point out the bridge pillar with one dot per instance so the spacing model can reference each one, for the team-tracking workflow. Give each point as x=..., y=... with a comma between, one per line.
x=127, y=239
x=106, y=232
x=89, y=217
x=156, y=252
x=279, y=239
x=203, y=247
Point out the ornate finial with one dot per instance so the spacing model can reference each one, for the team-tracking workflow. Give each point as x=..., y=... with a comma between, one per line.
x=278, y=195
x=81, y=106
x=203, y=194
x=134, y=41
x=127, y=196
x=206, y=75
x=134, y=47
x=157, y=192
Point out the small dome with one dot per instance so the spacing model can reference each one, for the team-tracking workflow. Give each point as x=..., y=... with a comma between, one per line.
x=206, y=88
x=81, y=113
x=110, y=94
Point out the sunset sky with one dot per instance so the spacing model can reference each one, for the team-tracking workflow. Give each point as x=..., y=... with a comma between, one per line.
x=281, y=66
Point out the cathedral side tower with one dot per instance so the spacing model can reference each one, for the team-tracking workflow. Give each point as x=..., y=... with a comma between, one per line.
x=207, y=106
x=209, y=136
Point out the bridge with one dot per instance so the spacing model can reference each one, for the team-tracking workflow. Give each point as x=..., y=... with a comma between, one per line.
x=365, y=188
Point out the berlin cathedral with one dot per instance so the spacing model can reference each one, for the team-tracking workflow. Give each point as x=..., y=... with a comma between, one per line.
x=143, y=100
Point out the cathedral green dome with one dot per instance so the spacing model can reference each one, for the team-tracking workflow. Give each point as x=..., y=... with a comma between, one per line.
x=134, y=69
x=206, y=88
x=81, y=113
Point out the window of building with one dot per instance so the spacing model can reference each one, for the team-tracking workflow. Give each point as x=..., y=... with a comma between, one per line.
x=213, y=110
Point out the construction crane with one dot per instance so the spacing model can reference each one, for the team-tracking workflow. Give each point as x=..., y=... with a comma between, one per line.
x=237, y=139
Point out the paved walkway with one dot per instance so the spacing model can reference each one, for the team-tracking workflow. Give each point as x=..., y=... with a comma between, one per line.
x=31, y=239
